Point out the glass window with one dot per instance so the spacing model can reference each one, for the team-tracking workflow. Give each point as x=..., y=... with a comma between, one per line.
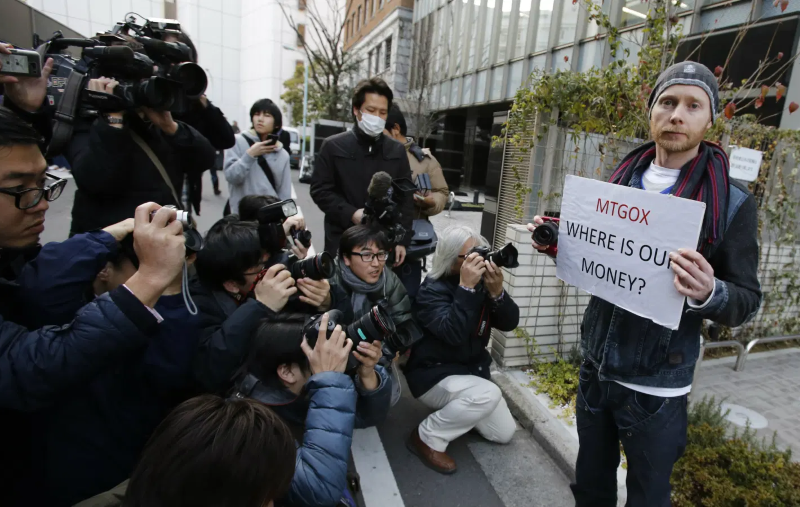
x=466, y=94
x=505, y=20
x=514, y=78
x=444, y=95
x=588, y=55
x=634, y=12
x=448, y=27
x=686, y=5
x=462, y=24
x=522, y=27
x=434, y=96
x=473, y=31
x=455, y=87
x=487, y=32
x=480, y=89
x=388, y=54
x=497, y=84
x=377, y=59
x=545, y=17
x=593, y=28
x=569, y=22
x=538, y=62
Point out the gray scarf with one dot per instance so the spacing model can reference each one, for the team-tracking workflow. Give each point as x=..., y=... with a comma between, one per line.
x=359, y=287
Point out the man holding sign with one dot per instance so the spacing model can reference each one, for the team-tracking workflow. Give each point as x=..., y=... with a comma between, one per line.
x=639, y=356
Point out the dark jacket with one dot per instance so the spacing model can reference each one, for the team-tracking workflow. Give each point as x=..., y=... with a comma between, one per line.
x=632, y=349
x=456, y=326
x=286, y=140
x=323, y=419
x=399, y=303
x=342, y=172
x=114, y=175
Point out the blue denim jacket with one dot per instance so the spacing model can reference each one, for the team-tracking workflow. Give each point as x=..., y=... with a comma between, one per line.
x=628, y=348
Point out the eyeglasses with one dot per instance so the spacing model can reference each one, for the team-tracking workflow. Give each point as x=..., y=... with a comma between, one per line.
x=27, y=198
x=369, y=256
x=259, y=269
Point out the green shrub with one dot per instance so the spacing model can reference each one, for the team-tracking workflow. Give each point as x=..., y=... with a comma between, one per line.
x=738, y=470
x=559, y=381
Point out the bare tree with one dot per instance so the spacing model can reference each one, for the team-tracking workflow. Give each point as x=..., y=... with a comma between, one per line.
x=331, y=67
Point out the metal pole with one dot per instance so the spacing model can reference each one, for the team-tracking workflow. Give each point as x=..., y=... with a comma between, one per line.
x=305, y=111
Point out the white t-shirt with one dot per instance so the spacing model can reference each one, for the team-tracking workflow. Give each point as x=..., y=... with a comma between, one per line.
x=657, y=179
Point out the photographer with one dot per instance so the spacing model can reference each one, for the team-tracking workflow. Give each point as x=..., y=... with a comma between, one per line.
x=458, y=304
x=362, y=274
x=347, y=162
x=257, y=164
x=307, y=387
x=114, y=173
x=427, y=203
x=238, y=284
x=248, y=209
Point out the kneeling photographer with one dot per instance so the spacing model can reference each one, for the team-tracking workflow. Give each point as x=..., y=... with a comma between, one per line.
x=243, y=276
x=457, y=306
x=322, y=390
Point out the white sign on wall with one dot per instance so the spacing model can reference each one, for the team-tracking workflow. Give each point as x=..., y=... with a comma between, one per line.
x=614, y=242
x=745, y=163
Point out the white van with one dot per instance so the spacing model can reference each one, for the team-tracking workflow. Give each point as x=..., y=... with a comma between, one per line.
x=294, y=146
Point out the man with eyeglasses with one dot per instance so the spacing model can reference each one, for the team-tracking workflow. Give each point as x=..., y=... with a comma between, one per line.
x=363, y=275
x=38, y=365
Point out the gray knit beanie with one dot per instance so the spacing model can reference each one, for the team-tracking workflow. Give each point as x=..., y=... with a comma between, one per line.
x=687, y=73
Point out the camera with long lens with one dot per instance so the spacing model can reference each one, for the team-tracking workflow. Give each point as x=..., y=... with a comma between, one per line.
x=505, y=257
x=270, y=224
x=547, y=235
x=150, y=72
x=376, y=324
x=319, y=267
x=386, y=199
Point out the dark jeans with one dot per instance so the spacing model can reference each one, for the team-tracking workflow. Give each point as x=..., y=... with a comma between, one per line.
x=652, y=431
x=214, y=179
x=410, y=274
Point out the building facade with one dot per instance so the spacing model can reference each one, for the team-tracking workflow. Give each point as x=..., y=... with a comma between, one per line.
x=482, y=51
x=247, y=47
x=379, y=33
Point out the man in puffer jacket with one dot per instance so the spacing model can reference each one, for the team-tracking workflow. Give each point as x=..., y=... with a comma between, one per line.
x=308, y=389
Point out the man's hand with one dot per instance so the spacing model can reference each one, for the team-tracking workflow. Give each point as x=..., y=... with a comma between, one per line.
x=106, y=85
x=493, y=279
x=261, y=148
x=368, y=354
x=537, y=221
x=159, y=245
x=472, y=270
x=328, y=354
x=299, y=250
x=296, y=221
x=274, y=290
x=317, y=293
x=357, y=216
x=27, y=93
x=399, y=255
x=162, y=120
x=424, y=200
x=694, y=276
x=121, y=230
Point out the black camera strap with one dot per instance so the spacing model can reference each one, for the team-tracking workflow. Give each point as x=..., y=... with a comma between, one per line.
x=262, y=163
x=65, y=114
x=156, y=162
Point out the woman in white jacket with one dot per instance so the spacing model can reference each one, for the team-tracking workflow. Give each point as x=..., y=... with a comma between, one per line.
x=257, y=164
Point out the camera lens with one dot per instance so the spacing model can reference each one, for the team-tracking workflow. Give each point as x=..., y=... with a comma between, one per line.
x=316, y=268
x=376, y=324
x=153, y=92
x=506, y=257
x=191, y=76
x=546, y=234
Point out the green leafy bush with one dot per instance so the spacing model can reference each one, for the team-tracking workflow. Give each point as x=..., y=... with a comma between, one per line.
x=559, y=381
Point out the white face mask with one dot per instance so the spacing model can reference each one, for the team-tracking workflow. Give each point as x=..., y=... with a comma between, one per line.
x=371, y=125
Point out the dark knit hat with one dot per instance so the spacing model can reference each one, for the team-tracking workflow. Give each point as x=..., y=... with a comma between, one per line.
x=688, y=73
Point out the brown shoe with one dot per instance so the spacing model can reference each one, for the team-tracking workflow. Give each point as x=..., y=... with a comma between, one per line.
x=435, y=460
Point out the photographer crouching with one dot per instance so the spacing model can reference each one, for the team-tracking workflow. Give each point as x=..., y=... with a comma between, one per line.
x=322, y=390
x=458, y=304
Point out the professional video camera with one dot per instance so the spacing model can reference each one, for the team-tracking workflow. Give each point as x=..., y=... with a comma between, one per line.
x=150, y=72
x=386, y=199
x=376, y=324
x=506, y=257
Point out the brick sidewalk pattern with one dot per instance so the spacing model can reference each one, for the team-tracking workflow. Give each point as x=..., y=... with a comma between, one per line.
x=768, y=385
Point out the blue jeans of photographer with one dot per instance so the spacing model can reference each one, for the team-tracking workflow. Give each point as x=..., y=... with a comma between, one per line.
x=652, y=431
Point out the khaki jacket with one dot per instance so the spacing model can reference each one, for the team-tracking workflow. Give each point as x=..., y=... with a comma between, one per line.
x=430, y=166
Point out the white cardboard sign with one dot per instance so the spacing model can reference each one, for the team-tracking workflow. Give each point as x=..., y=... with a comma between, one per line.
x=745, y=163
x=614, y=242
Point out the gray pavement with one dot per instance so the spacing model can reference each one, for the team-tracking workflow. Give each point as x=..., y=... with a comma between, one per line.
x=768, y=386
x=519, y=474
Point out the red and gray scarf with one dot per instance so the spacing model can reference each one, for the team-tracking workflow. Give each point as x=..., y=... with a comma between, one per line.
x=705, y=178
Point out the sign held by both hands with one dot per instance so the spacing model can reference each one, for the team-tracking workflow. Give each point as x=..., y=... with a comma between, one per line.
x=614, y=242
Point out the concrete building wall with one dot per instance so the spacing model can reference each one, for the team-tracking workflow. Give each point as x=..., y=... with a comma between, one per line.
x=395, y=33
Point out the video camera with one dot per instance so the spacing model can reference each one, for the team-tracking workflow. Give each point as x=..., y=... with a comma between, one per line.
x=386, y=199
x=376, y=324
x=151, y=72
x=505, y=257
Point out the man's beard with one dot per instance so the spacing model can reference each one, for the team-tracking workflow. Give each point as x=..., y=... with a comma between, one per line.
x=677, y=145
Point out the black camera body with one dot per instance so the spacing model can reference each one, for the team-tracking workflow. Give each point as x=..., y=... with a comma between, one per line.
x=505, y=257
x=385, y=210
x=193, y=238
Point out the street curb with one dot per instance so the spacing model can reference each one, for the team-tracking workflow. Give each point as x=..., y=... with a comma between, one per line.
x=543, y=426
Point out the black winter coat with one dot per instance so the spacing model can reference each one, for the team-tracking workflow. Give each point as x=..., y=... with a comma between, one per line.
x=114, y=175
x=342, y=172
x=456, y=326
